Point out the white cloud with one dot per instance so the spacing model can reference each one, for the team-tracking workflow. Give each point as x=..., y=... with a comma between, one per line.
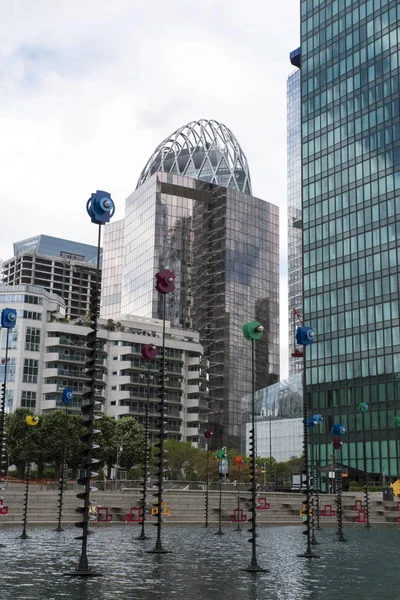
x=88, y=89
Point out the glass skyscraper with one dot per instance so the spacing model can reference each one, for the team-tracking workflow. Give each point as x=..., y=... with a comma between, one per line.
x=191, y=213
x=351, y=216
x=295, y=230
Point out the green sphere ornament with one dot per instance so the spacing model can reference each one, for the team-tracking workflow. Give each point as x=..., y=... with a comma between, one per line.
x=252, y=330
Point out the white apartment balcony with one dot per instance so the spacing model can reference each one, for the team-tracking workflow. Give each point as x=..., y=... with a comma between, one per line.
x=193, y=375
x=193, y=360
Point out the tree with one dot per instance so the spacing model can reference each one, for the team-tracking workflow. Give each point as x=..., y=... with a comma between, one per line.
x=23, y=441
x=129, y=436
x=61, y=429
x=107, y=440
x=181, y=459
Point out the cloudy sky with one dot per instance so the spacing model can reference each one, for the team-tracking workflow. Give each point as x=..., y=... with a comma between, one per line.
x=88, y=88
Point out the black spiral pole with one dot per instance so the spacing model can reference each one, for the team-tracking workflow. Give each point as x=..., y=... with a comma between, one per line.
x=100, y=208
x=67, y=399
x=364, y=408
x=312, y=492
x=208, y=435
x=238, y=462
x=164, y=285
x=8, y=321
x=253, y=331
x=24, y=535
x=317, y=489
x=149, y=351
x=221, y=475
x=305, y=337
x=339, y=505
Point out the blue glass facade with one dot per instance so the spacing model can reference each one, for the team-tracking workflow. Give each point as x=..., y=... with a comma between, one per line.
x=295, y=232
x=351, y=218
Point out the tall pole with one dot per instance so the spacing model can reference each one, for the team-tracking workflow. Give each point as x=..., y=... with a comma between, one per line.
x=208, y=435
x=8, y=321
x=100, y=207
x=317, y=488
x=305, y=337
x=270, y=450
x=164, y=285
x=67, y=399
x=338, y=430
x=31, y=422
x=364, y=408
x=312, y=485
x=24, y=535
x=253, y=331
x=239, y=461
x=149, y=351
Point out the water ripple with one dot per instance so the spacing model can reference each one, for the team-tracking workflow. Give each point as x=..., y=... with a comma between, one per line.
x=201, y=566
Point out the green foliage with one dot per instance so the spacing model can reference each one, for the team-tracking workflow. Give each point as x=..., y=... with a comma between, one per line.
x=129, y=435
x=61, y=429
x=23, y=441
x=181, y=459
x=107, y=440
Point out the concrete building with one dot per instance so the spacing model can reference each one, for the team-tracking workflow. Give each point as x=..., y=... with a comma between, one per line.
x=46, y=355
x=63, y=267
x=193, y=212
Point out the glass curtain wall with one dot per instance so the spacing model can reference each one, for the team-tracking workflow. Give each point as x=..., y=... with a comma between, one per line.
x=351, y=215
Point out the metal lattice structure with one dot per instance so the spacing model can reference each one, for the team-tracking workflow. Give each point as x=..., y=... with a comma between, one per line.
x=205, y=150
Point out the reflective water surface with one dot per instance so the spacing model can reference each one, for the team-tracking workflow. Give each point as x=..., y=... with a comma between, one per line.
x=201, y=565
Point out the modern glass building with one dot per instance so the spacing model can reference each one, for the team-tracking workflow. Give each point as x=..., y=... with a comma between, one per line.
x=351, y=215
x=279, y=424
x=295, y=230
x=222, y=244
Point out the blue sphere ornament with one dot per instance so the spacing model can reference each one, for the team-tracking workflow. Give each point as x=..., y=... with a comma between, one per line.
x=310, y=422
x=8, y=318
x=338, y=429
x=67, y=396
x=304, y=335
x=100, y=207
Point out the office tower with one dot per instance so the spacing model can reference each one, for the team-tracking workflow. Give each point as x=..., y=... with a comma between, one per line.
x=61, y=266
x=351, y=214
x=193, y=212
x=295, y=231
x=47, y=355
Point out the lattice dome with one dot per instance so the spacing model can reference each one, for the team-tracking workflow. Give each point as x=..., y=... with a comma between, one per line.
x=205, y=150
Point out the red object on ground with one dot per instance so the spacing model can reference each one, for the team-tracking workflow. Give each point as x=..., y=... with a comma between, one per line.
x=263, y=504
x=237, y=516
x=327, y=511
x=102, y=515
x=131, y=518
x=361, y=517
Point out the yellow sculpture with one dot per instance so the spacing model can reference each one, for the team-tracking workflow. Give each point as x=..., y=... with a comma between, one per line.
x=396, y=488
x=31, y=421
x=164, y=510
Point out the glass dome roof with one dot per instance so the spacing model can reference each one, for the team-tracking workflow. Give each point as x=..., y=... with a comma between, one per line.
x=205, y=150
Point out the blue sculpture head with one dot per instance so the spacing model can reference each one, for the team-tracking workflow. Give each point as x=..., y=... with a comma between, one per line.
x=338, y=429
x=8, y=318
x=100, y=207
x=304, y=335
x=67, y=396
x=318, y=419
